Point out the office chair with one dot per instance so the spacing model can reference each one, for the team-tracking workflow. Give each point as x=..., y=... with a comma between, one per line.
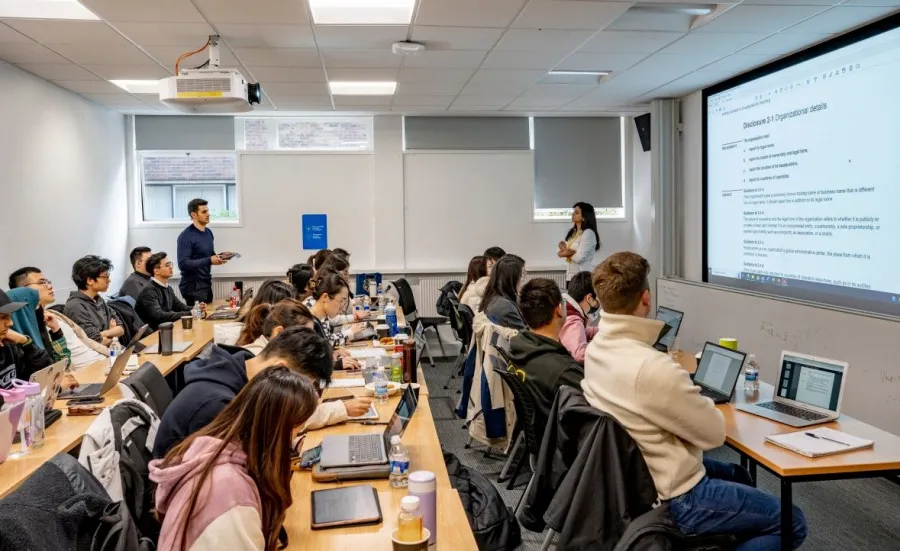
x=408, y=303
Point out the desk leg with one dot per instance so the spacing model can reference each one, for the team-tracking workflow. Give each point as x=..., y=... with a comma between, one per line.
x=752, y=468
x=787, y=515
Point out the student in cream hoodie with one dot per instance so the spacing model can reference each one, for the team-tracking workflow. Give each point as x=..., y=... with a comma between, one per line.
x=654, y=398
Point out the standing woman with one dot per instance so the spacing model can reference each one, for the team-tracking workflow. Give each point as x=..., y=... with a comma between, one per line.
x=582, y=241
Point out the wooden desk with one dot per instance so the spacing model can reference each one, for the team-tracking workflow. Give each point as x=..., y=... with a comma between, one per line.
x=65, y=434
x=453, y=531
x=746, y=434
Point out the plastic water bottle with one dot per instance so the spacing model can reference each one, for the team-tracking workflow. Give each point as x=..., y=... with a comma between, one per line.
x=115, y=350
x=380, y=294
x=390, y=318
x=397, y=367
x=381, y=385
x=751, y=374
x=399, y=458
x=32, y=422
x=196, y=311
x=367, y=304
x=235, y=301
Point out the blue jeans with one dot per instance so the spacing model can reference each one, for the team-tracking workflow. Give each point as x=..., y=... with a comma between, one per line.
x=724, y=502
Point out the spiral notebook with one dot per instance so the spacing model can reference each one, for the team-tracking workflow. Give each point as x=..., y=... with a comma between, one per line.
x=819, y=442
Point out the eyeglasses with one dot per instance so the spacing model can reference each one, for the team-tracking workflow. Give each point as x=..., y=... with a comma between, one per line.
x=43, y=282
x=103, y=276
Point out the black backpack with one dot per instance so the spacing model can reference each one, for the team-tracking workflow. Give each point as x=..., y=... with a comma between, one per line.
x=493, y=523
x=449, y=292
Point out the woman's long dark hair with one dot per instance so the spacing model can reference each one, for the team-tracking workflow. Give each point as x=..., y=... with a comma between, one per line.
x=334, y=263
x=264, y=318
x=315, y=261
x=504, y=281
x=272, y=291
x=299, y=276
x=477, y=270
x=588, y=222
x=328, y=283
x=260, y=420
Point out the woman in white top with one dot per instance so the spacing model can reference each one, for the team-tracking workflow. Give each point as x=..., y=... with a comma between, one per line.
x=581, y=242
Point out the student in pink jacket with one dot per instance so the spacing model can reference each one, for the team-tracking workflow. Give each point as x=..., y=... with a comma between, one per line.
x=581, y=301
x=228, y=485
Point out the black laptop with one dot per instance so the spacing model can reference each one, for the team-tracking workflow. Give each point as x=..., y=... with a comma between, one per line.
x=672, y=319
x=718, y=372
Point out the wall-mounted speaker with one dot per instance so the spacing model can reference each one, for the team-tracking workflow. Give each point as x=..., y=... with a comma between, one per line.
x=643, y=129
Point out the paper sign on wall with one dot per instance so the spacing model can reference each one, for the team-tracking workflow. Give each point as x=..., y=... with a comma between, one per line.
x=315, y=231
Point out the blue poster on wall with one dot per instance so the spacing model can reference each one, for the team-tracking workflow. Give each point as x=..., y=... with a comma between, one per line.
x=315, y=232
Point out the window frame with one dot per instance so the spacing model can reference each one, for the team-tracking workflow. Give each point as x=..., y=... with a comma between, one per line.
x=240, y=141
x=140, y=222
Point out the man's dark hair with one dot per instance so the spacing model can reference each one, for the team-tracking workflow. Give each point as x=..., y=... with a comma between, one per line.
x=495, y=253
x=89, y=267
x=20, y=276
x=538, y=300
x=195, y=205
x=342, y=253
x=154, y=261
x=305, y=351
x=580, y=286
x=136, y=254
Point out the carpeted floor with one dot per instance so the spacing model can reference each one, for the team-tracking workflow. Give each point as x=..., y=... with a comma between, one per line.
x=849, y=515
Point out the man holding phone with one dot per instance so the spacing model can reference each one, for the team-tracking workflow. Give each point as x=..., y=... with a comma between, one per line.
x=197, y=255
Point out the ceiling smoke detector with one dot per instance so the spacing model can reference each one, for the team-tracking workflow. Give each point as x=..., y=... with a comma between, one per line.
x=407, y=48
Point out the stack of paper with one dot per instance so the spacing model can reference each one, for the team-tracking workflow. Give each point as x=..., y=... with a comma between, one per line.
x=360, y=353
x=819, y=442
x=347, y=383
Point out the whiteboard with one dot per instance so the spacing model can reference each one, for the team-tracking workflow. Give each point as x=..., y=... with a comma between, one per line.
x=765, y=326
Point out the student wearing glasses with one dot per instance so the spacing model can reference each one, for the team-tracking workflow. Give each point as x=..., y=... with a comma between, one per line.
x=331, y=295
x=158, y=303
x=86, y=307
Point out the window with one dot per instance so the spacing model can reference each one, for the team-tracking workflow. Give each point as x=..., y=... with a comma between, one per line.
x=169, y=180
x=344, y=134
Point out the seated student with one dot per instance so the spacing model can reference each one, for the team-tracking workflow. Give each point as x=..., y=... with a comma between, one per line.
x=265, y=322
x=140, y=278
x=580, y=303
x=655, y=400
x=212, y=383
x=544, y=363
x=20, y=357
x=34, y=321
x=299, y=276
x=272, y=291
x=343, y=253
x=475, y=292
x=331, y=294
x=499, y=301
x=228, y=485
x=86, y=307
x=315, y=261
x=477, y=270
x=158, y=303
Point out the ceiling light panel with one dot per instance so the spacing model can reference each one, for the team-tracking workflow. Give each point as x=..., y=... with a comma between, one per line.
x=362, y=12
x=45, y=9
x=138, y=86
x=362, y=88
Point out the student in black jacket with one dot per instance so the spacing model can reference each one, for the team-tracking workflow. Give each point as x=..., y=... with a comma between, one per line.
x=541, y=360
x=19, y=356
x=157, y=303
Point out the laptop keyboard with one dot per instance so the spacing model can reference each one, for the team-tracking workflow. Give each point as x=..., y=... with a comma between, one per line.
x=711, y=394
x=88, y=390
x=804, y=414
x=366, y=448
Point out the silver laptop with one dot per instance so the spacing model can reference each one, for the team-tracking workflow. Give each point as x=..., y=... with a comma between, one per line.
x=809, y=391
x=718, y=371
x=93, y=390
x=369, y=449
x=50, y=381
x=177, y=347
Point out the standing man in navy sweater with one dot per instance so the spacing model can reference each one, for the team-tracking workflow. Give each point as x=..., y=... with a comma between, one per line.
x=197, y=255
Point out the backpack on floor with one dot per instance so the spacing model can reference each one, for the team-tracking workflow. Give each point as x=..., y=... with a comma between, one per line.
x=132, y=427
x=493, y=523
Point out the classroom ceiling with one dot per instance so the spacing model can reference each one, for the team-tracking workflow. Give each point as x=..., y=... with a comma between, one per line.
x=483, y=56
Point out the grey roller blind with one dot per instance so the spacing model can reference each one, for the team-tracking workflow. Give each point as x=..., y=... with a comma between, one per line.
x=466, y=133
x=183, y=133
x=577, y=159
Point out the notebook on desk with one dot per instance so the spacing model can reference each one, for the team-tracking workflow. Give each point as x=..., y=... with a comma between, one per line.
x=819, y=442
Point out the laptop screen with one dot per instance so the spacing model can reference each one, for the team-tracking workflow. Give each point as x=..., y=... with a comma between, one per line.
x=719, y=368
x=672, y=318
x=813, y=382
x=402, y=415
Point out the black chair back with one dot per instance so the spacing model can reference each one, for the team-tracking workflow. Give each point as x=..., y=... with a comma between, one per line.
x=151, y=388
x=523, y=404
x=407, y=300
x=467, y=320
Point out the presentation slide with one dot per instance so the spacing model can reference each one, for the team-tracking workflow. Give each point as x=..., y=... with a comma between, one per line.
x=803, y=176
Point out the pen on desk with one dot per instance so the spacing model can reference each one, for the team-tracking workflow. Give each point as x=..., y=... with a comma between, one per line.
x=817, y=437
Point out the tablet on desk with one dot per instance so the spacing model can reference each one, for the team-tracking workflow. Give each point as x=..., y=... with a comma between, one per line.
x=349, y=506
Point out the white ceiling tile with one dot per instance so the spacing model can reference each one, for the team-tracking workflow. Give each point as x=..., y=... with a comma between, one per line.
x=8, y=34
x=502, y=82
x=279, y=57
x=532, y=40
x=128, y=72
x=474, y=108
x=761, y=19
x=81, y=32
x=682, y=87
x=359, y=37
x=599, y=62
x=418, y=109
x=280, y=89
x=29, y=53
x=784, y=43
x=365, y=109
x=456, y=38
x=739, y=63
x=361, y=73
x=635, y=20
x=872, y=3
x=532, y=104
x=98, y=54
x=302, y=100
x=117, y=100
x=494, y=102
x=431, y=101
x=456, y=76
x=445, y=59
x=144, y=10
x=355, y=101
x=89, y=86
x=523, y=60
x=268, y=12
x=629, y=42
x=267, y=36
x=555, y=92
x=840, y=19
x=794, y=2
x=570, y=15
x=429, y=88
x=468, y=13
x=268, y=75
x=654, y=72
x=697, y=43
x=167, y=55
x=59, y=71
x=361, y=58
x=165, y=34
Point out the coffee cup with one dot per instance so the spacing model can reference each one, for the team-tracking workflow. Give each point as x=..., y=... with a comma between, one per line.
x=421, y=545
x=187, y=322
x=383, y=330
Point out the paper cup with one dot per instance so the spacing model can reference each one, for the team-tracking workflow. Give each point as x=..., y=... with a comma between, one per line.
x=187, y=322
x=421, y=545
x=728, y=343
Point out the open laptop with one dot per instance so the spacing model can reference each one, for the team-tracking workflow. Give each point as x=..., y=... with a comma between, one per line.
x=99, y=389
x=672, y=319
x=718, y=372
x=369, y=449
x=50, y=381
x=226, y=312
x=809, y=391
